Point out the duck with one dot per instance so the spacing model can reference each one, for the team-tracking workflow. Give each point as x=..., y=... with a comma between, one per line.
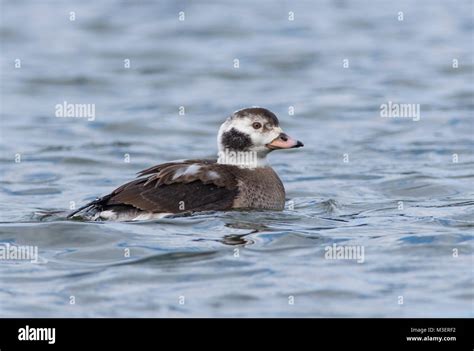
x=240, y=178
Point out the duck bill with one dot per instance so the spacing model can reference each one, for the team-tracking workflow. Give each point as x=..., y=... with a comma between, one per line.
x=284, y=141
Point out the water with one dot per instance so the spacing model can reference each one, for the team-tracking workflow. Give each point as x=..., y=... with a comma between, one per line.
x=401, y=196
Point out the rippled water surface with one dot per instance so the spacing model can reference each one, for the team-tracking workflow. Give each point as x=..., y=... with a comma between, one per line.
x=401, y=189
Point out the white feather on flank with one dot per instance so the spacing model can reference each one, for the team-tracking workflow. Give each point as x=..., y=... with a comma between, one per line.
x=213, y=175
x=184, y=171
x=110, y=215
x=149, y=215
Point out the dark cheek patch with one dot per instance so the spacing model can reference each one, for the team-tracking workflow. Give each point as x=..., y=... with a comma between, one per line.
x=235, y=140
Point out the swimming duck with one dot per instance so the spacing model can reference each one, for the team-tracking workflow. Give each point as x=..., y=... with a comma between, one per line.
x=240, y=178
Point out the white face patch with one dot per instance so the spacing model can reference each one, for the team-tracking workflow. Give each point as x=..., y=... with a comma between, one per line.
x=239, y=128
x=259, y=137
x=185, y=171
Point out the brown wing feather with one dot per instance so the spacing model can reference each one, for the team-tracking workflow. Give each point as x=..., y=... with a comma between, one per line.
x=167, y=188
x=157, y=168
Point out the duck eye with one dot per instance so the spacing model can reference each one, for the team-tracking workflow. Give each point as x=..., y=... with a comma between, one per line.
x=257, y=125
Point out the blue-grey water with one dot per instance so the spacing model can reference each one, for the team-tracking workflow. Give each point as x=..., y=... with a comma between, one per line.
x=400, y=188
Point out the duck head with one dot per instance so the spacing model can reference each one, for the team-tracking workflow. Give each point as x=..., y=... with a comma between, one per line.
x=252, y=133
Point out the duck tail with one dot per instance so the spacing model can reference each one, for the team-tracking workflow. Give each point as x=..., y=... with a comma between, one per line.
x=88, y=205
